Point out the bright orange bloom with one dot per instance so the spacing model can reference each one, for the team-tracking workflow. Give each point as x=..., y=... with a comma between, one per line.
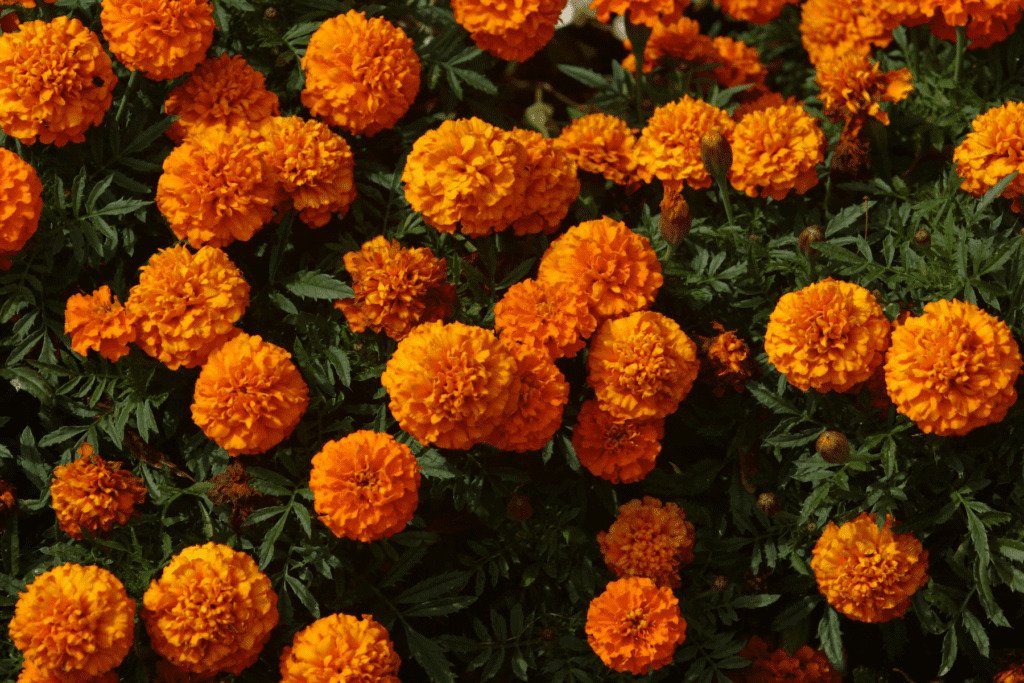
x=553, y=318
x=868, y=573
x=649, y=540
x=776, y=150
x=25, y=3
x=94, y=494
x=21, y=204
x=366, y=486
x=754, y=11
x=833, y=28
x=764, y=99
x=8, y=500
x=603, y=144
x=551, y=184
x=96, y=322
x=163, y=39
x=635, y=626
x=55, y=81
x=1014, y=674
x=778, y=666
x=647, y=12
x=953, y=368
x=827, y=336
x=74, y=622
x=993, y=150
x=725, y=361
x=212, y=609
x=341, y=642
x=186, y=304
x=852, y=88
x=543, y=393
x=681, y=40
x=987, y=23
x=739, y=63
x=222, y=91
x=30, y=673
x=669, y=147
x=361, y=75
x=613, y=449
x=509, y=30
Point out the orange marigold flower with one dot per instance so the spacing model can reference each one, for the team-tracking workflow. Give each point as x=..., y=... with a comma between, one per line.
x=987, y=23
x=186, y=304
x=223, y=91
x=953, y=368
x=1015, y=674
x=543, y=393
x=361, y=75
x=55, y=81
x=509, y=30
x=21, y=204
x=613, y=266
x=650, y=540
x=168, y=673
x=852, y=88
x=212, y=609
x=739, y=63
x=451, y=385
x=395, y=289
x=681, y=40
x=163, y=39
x=613, y=449
x=314, y=166
x=776, y=149
x=764, y=99
x=96, y=322
x=8, y=500
x=725, y=361
x=635, y=626
x=30, y=673
x=341, y=642
x=647, y=12
x=832, y=28
x=641, y=366
x=868, y=573
x=551, y=184
x=93, y=494
x=249, y=396
x=993, y=150
x=366, y=486
x=669, y=147
x=827, y=336
x=29, y=4
x=600, y=143
x=74, y=622
x=754, y=11
x=216, y=187
x=806, y=665
x=554, y=318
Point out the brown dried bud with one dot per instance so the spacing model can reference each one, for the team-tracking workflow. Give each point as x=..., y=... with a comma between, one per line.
x=675, y=220
x=719, y=584
x=519, y=507
x=270, y=13
x=833, y=446
x=810, y=235
x=769, y=504
x=716, y=154
x=922, y=237
x=548, y=634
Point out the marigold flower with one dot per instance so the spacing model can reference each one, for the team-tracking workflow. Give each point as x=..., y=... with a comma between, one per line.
x=600, y=143
x=186, y=304
x=29, y=4
x=868, y=573
x=222, y=91
x=993, y=150
x=8, y=500
x=163, y=39
x=451, y=385
x=739, y=63
x=650, y=540
x=1014, y=674
x=764, y=99
x=827, y=336
x=635, y=626
x=614, y=449
x=647, y=12
x=95, y=322
x=754, y=11
x=361, y=75
x=216, y=187
x=94, y=494
x=776, y=149
x=212, y=609
x=987, y=23
x=543, y=393
x=725, y=361
x=340, y=641
x=953, y=368
x=30, y=673
x=832, y=28
x=510, y=31
x=675, y=220
x=806, y=665
x=852, y=87
x=395, y=289
x=55, y=82
x=249, y=396
x=553, y=318
x=680, y=39
x=366, y=485
x=21, y=204
x=74, y=622
x=669, y=147
x=551, y=184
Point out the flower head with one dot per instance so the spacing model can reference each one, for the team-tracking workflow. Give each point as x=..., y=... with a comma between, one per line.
x=762, y=99
x=987, y=23
x=852, y=88
x=30, y=673
x=551, y=184
x=725, y=361
x=670, y=148
x=212, y=609
x=74, y=622
x=1014, y=674
x=341, y=643
x=615, y=449
x=647, y=12
x=361, y=75
x=832, y=28
x=8, y=499
x=953, y=368
x=777, y=150
x=543, y=393
x=96, y=322
x=94, y=494
x=21, y=204
x=635, y=626
x=509, y=30
x=754, y=11
x=553, y=318
x=868, y=573
x=648, y=539
x=739, y=63
x=993, y=150
x=366, y=485
x=778, y=666
x=680, y=40
x=600, y=143
x=163, y=39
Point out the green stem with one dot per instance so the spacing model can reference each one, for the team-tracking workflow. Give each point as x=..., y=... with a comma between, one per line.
x=723, y=192
x=961, y=45
x=133, y=84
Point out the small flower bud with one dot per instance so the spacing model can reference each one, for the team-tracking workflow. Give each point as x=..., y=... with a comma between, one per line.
x=833, y=446
x=769, y=504
x=270, y=13
x=922, y=237
x=719, y=584
x=716, y=154
x=675, y=220
x=548, y=634
x=519, y=507
x=810, y=235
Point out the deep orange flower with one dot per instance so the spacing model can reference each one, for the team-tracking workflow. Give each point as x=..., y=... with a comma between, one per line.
x=778, y=666
x=341, y=643
x=21, y=204
x=777, y=150
x=681, y=40
x=543, y=393
x=833, y=28
x=93, y=494
x=993, y=150
x=249, y=396
x=669, y=147
x=553, y=318
x=8, y=500
x=163, y=39
x=30, y=673
x=827, y=336
x=168, y=673
x=186, y=304
x=212, y=609
x=361, y=75
x=650, y=540
x=1014, y=674
x=852, y=88
x=74, y=622
x=55, y=81
x=613, y=449
x=551, y=184
x=762, y=99
x=725, y=361
x=739, y=63
x=600, y=143
x=509, y=30
x=754, y=11
x=395, y=288
x=953, y=368
x=223, y=91
x=25, y=3
x=96, y=322
x=987, y=23
x=635, y=626
x=647, y=12
x=868, y=573
x=366, y=485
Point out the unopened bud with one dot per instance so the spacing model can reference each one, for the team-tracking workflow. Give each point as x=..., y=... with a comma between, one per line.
x=719, y=584
x=548, y=634
x=922, y=237
x=716, y=154
x=519, y=507
x=833, y=446
x=675, y=220
x=808, y=236
x=270, y=13
x=769, y=504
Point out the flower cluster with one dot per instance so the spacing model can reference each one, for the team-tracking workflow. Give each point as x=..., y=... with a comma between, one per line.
x=669, y=147
x=993, y=150
x=615, y=449
x=543, y=393
x=93, y=494
x=96, y=322
x=21, y=204
x=776, y=150
x=341, y=641
x=600, y=143
x=648, y=539
x=778, y=666
x=510, y=31
x=163, y=39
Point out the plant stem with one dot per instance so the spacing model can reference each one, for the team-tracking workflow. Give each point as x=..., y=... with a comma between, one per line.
x=961, y=45
x=723, y=192
x=133, y=84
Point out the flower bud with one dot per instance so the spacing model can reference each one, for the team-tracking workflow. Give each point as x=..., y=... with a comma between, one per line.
x=769, y=504
x=716, y=154
x=833, y=446
x=810, y=235
x=675, y=220
x=719, y=584
x=519, y=507
x=548, y=634
x=270, y=13
x=922, y=237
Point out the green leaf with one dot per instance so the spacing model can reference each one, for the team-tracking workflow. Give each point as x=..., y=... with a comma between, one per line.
x=949, y=646
x=267, y=547
x=978, y=535
x=429, y=655
x=585, y=76
x=61, y=434
x=831, y=638
x=31, y=462
x=433, y=465
x=441, y=606
x=796, y=611
x=771, y=400
x=119, y=207
x=312, y=285
x=304, y=595
x=477, y=81
x=339, y=360
x=435, y=586
x=994, y=192
x=754, y=601
x=977, y=631
x=1011, y=549
x=409, y=559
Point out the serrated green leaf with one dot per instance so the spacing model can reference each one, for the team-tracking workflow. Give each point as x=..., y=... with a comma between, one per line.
x=831, y=638
x=754, y=601
x=435, y=586
x=304, y=595
x=429, y=655
x=585, y=76
x=313, y=285
x=949, y=647
x=994, y=192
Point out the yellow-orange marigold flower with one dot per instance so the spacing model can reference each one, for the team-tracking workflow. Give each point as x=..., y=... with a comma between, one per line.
x=96, y=322
x=868, y=573
x=249, y=396
x=833, y=28
x=212, y=609
x=754, y=11
x=762, y=99
x=806, y=665
x=827, y=336
x=93, y=494
x=551, y=184
x=614, y=449
x=74, y=622
x=366, y=485
x=669, y=147
x=21, y=204
x=555, y=319
x=29, y=4
x=739, y=63
x=163, y=39
x=341, y=643
x=641, y=366
x=647, y=12
x=451, y=385
x=993, y=150
x=852, y=88
x=953, y=368
x=55, y=81
x=725, y=361
x=635, y=626
x=509, y=30
x=395, y=289
x=543, y=393
x=648, y=539
x=222, y=91
x=361, y=75
x=1014, y=674
x=186, y=304
x=776, y=150
x=30, y=673
x=603, y=144
x=680, y=40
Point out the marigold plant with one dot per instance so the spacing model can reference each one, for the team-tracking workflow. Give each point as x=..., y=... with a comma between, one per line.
x=163, y=39
x=669, y=147
x=551, y=184
x=21, y=204
x=550, y=317
x=98, y=321
x=615, y=449
x=725, y=361
x=993, y=150
x=776, y=150
x=648, y=539
x=603, y=144
x=805, y=665
x=340, y=641
x=94, y=494
x=543, y=393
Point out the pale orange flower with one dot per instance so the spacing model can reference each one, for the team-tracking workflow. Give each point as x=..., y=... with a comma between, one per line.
x=603, y=144
x=21, y=204
x=163, y=39
x=614, y=449
x=94, y=494
x=551, y=184
x=670, y=149
x=361, y=646
x=543, y=393
x=648, y=539
x=776, y=150
x=98, y=321
x=554, y=318
x=993, y=150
